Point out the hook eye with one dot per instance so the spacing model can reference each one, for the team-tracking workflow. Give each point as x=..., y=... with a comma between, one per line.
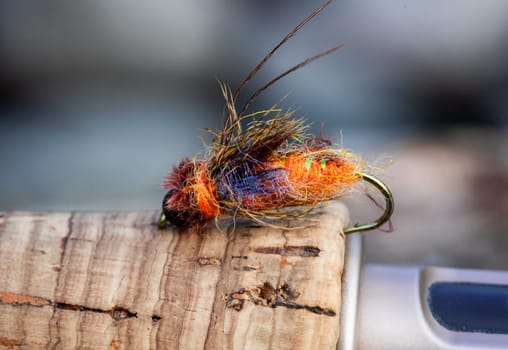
x=387, y=193
x=163, y=218
x=162, y=221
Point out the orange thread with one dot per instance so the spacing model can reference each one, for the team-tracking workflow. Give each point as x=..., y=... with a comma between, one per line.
x=204, y=193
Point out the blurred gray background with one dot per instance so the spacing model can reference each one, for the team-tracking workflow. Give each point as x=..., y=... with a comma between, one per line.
x=99, y=99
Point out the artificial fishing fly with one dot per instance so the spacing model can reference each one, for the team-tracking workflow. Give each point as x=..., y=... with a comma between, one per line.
x=264, y=165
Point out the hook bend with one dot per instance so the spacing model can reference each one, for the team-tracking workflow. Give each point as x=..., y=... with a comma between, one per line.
x=389, y=206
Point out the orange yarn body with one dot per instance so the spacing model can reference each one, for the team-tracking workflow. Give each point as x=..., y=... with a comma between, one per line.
x=301, y=177
x=319, y=176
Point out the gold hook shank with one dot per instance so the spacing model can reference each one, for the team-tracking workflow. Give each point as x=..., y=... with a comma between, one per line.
x=389, y=206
